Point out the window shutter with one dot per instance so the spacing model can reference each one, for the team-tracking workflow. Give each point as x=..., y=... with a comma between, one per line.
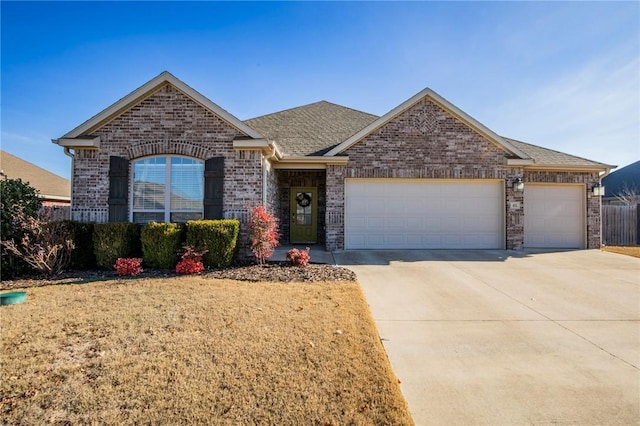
x=118, y=189
x=213, y=187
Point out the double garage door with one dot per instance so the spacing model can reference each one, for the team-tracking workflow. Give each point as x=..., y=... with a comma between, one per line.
x=443, y=214
x=423, y=214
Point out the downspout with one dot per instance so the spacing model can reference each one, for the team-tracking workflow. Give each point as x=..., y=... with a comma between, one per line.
x=67, y=152
x=600, y=177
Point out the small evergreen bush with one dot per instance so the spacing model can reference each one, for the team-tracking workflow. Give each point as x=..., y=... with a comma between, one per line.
x=82, y=256
x=131, y=266
x=114, y=240
x=218, y=237
x=160, y=244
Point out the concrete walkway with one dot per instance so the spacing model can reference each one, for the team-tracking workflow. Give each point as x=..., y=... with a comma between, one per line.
x=505, y=338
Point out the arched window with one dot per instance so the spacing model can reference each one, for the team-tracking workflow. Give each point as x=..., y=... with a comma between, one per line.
x=167, y=189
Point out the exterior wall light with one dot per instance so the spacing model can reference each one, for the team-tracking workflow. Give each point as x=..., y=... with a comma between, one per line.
x=598, y=190
x=518, y=185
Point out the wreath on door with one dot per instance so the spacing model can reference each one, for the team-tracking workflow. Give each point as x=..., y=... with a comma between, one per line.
x=303, y=199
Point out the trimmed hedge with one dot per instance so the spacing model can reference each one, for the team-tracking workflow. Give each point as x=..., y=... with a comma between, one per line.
x=114, y=240
x=161, y=243
x=82, y=256
x=219, y=237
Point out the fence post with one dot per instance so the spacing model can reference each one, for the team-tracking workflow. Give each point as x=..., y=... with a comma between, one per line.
x=638, y=224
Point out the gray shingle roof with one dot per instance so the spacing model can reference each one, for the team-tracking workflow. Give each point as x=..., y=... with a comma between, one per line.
x=311, y=129
x=549, y=157
x=316, y=128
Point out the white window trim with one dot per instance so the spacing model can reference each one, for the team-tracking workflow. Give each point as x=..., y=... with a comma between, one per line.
x=167, y=185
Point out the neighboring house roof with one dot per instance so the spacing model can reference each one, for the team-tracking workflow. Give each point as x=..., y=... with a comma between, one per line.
x=311, y=129
x=50, y=185
x=80, y=136
x=627, y=178
x=551, y=158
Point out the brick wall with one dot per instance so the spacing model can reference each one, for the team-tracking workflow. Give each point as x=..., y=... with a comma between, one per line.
x=427, y=142
x=166, y=122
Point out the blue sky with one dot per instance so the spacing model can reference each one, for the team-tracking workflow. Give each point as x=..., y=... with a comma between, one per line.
x=563, y=75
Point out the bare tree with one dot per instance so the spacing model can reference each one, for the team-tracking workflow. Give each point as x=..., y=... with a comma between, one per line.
x=629, y=195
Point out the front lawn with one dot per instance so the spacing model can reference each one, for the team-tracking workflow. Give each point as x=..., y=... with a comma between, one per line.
x=628, y=250
x=195, y=350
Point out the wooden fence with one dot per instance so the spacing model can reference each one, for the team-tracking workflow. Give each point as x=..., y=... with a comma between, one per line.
x=620, y=225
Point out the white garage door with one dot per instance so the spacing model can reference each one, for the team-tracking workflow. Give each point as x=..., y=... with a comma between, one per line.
x=554, y=216
x=423, y=214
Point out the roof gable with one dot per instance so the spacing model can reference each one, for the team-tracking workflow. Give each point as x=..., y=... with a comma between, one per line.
x=148, y=89
x=433, y=96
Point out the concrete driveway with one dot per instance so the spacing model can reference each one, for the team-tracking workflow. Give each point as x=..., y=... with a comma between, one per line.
x=501, y=338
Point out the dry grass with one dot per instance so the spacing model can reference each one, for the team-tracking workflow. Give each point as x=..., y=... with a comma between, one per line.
x=192, y=350
x=628, y=250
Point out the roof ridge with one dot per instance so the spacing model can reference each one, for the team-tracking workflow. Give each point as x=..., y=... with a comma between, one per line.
x=308, y=105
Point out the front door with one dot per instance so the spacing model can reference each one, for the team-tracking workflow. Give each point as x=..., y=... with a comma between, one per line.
x=304, y=217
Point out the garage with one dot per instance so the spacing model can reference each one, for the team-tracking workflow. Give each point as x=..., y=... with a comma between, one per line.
x=554, y=216
x=424, y=214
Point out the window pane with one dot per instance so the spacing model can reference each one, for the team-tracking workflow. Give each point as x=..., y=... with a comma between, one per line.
x=144, y=217
x=185, y=216
x=187, y=184
x=149, y=183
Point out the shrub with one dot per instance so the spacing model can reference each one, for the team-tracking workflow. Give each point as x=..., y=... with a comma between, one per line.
x=44, y=246
x=15, y=196
x=128, y=266
x=297, y=257
x=191, y=261
x=218, y=237
x=114, y=240
x=82, y=256
x=264, y=233
x=160, y=244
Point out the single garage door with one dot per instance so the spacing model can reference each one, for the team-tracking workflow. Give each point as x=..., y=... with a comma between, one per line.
x=554, y=216
x=423, y=214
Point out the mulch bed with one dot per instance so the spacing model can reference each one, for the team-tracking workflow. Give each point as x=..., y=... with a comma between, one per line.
x=272, y=271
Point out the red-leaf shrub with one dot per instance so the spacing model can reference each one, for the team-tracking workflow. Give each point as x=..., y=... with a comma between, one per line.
x=265, y=233
x=128, y=266
x=298, y=257
x=191, y=261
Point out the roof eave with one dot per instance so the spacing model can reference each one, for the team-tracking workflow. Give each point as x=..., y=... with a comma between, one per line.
x=91, y=142
x=570, y=167
x=317, y=162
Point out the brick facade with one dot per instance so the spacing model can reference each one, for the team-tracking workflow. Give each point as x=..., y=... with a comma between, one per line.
x=166, y=122
x=424, y=142
x=427, y=142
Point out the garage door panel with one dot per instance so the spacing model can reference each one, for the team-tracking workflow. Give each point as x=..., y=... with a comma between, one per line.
x=554, y=216
x=424, y=214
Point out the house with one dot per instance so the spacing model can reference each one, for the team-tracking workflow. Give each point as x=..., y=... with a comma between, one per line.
x=424, y=175
x=54, y=190
x=623, y=186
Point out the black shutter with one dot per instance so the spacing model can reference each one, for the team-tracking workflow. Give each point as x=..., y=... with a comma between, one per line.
x=213, y=187
x=118, y=189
